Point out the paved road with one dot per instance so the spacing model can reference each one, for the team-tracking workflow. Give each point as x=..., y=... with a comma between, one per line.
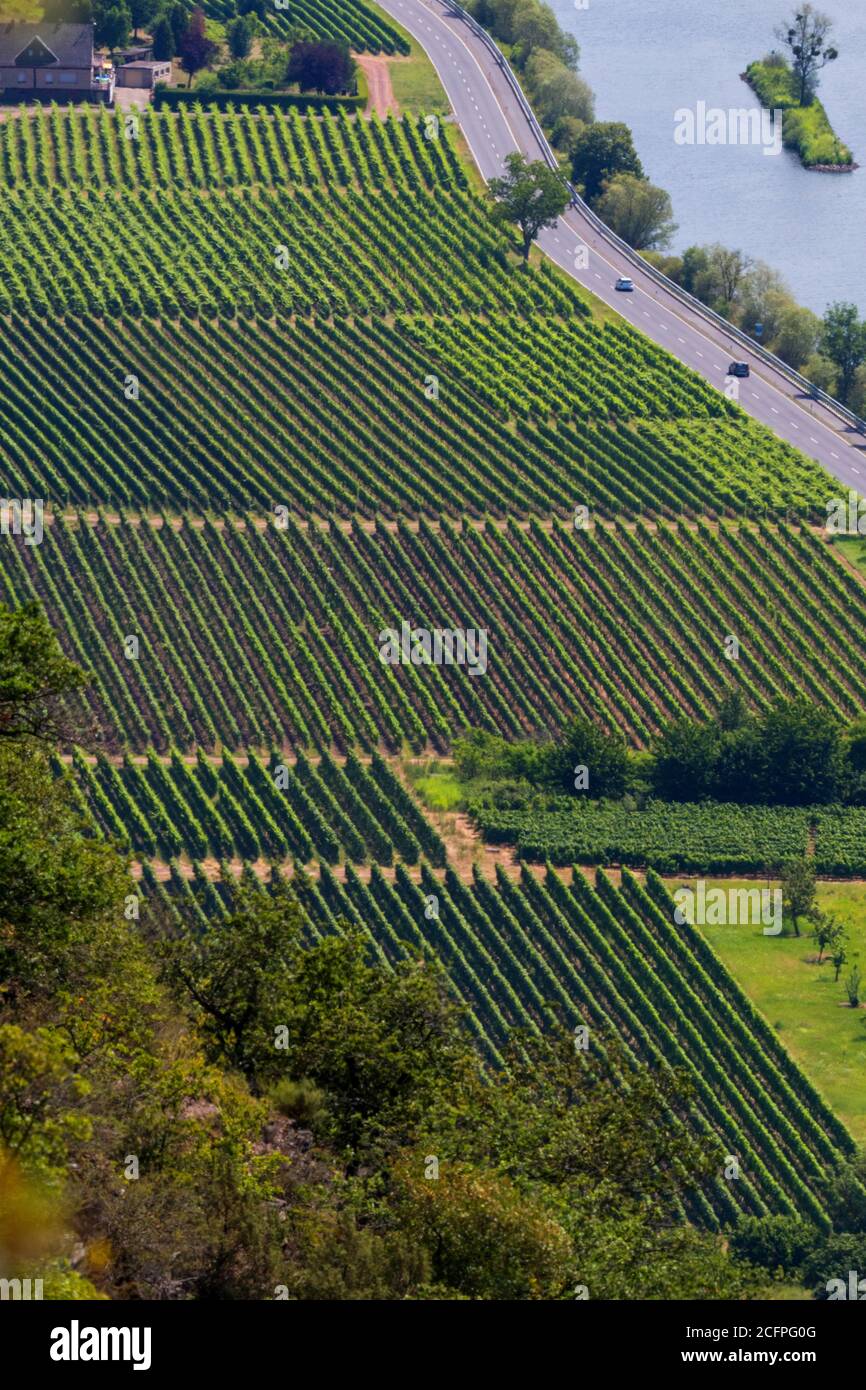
x=493, y=124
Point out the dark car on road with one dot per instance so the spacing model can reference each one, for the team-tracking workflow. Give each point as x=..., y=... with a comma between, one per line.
x=738, y=369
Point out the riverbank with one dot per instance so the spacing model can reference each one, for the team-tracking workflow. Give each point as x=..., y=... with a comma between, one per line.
x=806, y=129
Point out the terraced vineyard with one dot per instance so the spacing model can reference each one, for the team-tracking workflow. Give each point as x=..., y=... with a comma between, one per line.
x=285, y=388
x=273, y=412
x=257, y=809
x=344, y=21
x=270, y=637
x=517, y=953
x=212, y=232
x=704, y=837
x=256, y=251
x=91, y=148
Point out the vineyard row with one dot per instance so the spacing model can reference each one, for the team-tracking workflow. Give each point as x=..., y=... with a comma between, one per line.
x=202, y=633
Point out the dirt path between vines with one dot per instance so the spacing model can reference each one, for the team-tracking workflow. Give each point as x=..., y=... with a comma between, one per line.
x=378, y=75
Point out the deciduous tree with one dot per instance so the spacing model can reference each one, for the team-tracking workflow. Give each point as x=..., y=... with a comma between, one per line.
x=529, y=194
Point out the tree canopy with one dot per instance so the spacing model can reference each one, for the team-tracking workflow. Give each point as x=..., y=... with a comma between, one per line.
x=529, y=194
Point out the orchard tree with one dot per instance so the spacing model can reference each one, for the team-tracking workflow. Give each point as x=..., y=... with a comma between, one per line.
x=798, y=890
x=839, y=957
x=530, y=194
x=807, y=38
x=829, y=932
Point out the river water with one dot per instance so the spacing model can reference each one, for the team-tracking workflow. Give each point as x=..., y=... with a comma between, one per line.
x=645, y=59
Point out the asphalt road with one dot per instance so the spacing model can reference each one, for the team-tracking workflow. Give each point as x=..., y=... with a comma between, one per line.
x=493, y=125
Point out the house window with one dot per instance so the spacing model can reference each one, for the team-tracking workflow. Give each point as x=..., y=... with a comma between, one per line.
x=22, y=76
x=67, y=77
x=49, y=77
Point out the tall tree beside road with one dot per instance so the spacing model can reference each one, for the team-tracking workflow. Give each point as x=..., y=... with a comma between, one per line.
x=844, y=342
x=638, y=212
x=602, y=151
x=529, y=194
x=807, y=38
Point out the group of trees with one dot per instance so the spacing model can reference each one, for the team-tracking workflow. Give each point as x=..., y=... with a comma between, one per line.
x=224, y=1112
x=830, y=351
x=608, y=173
x=794, y=754
x=545, y=55
x=550, y=765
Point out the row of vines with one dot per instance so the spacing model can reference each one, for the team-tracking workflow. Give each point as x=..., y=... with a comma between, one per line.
x=265, y=636
x=257, y=808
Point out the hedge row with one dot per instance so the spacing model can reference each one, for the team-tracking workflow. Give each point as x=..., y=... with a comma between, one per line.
x=224, y=101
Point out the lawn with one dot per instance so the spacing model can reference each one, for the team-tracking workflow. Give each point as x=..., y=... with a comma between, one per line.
x=416, y=84
x=803, y=1004
x=854, y=551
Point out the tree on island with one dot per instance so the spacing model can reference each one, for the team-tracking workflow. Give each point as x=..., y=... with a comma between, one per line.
x=807, y=37
x=530, y=194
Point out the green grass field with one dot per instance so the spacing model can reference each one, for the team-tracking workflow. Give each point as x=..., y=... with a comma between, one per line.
x=413, y=78
x=808, y=1011
x=26, y=11
x=416, y=85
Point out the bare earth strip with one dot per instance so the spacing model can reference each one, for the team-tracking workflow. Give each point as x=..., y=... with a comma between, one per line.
x=378, y=76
